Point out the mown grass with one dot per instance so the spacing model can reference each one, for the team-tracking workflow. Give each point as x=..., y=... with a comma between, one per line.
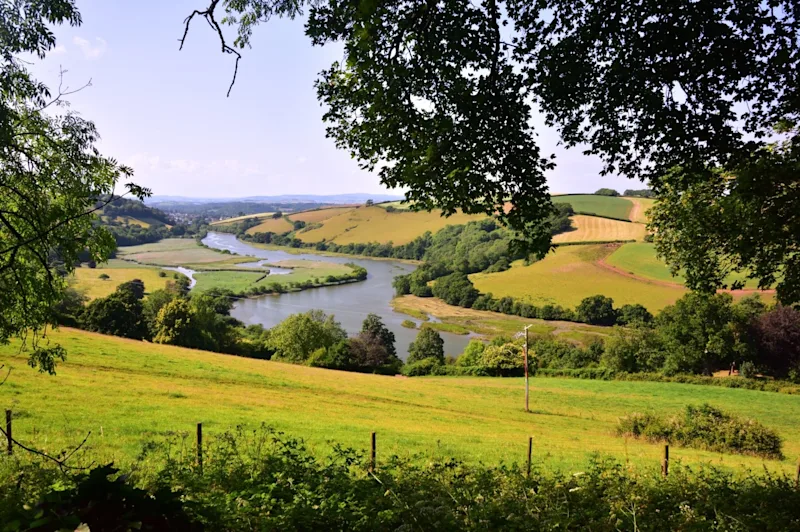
x=172, y=252
x=644, y=206
x=375, y=224
x=127, y=392
x=239, y=281
x=258, y=216
x=272, y=225
x=595, y=229
x=601, y=205
x=570, y=274
x=87, y=280
x=318, y=215
x=640, y=259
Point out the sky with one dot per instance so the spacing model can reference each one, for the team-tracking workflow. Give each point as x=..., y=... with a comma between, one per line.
x=165, y=113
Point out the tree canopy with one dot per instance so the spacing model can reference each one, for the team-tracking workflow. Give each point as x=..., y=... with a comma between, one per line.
x=51, y=176
x=438, y=97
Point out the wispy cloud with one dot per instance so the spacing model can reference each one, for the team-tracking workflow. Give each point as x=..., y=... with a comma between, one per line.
x=60, y=49
x=89, y=50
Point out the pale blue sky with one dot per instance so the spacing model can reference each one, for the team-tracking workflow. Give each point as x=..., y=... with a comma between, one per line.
x=164, y=112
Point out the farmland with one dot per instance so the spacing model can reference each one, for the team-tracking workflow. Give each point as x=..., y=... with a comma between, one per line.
x=640, y=259
x=376, y=224
x=572, y=273
x=150, y=391
x=303, y=270
x=272, y=225
x=88, y=281
x=258, y=216
x=613, y=207
x=595, y=229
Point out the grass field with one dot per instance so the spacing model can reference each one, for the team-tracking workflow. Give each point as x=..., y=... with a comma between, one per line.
x=640, y=208
x=375, y=224
x=272, y=225
x=304, y=270
x=257, y=216
x=318, y=215
x=594, y=229
x=87, y=280
x=176, y=252
x=570, y=274
x=491, y=324
x=127, y=392
x=640, y=259
x=601, y=205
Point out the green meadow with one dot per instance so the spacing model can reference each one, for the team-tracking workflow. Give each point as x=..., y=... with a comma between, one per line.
x=128, y=393
x=614, y=207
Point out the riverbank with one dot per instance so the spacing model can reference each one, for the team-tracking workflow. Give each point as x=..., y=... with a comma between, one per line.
x=492, y=324
x=303, y=251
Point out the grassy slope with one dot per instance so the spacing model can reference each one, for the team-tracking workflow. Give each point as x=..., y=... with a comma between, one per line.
x=570, y=274
x=640, y=259
x=375, y=224
x=228, y=221
x=128, y=392
x=87, y=279
x=272, y=225
x=641, y=212
x=318, y=215
x=594, y=229
x=601, y=205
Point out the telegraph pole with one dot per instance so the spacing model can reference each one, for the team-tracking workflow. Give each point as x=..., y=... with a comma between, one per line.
x=525, y=353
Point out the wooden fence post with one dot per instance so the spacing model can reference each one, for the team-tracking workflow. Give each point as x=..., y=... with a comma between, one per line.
x=200, y=447
x=530, y=449
x=8, y=433
x=665, y=462
x=372, y=462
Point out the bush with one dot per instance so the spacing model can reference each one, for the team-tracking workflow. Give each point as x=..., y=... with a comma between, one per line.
x=162, y=273
x=705, y=427
x=103, y=276
x=408, y=324
x=748, y=370
x=422, y=367
x=264, y=480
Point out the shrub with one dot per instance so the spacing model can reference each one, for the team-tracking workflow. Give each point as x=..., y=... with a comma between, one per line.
x=705, y=427
x=748, y=370
x=408, y=324
x=422, y=367
x=103, y=276
x=162, y=273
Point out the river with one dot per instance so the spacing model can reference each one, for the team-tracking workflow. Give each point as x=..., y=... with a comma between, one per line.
x=350, y=303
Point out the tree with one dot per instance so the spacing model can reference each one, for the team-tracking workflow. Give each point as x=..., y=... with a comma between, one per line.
x=52, y=175
x=596, y=310
x=299, y=335
x=119, y=314
x=373, y=325
x=455, y=289
x=700, y=334
x=174, y=324
x=428, y=344
x=668, y=84
x=633, y=314
x=153, y=305
x=472, y=355
x=368, y=351
x=502, y=360
x=606, y=192
x=776, y=338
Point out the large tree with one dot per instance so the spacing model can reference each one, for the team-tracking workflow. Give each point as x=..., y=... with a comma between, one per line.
x=51, y=176
x=438, y=98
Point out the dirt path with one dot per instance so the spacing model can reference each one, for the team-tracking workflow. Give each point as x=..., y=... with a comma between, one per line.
x=637, y=212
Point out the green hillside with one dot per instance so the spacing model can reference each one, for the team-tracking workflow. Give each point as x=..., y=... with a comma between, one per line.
x=613, y=207
x=128, y=392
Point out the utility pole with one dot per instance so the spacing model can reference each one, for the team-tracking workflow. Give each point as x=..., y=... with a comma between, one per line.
x=525, y=353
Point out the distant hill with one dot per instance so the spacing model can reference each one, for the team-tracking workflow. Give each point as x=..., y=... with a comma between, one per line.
x=132, y=222
x=284, y=198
